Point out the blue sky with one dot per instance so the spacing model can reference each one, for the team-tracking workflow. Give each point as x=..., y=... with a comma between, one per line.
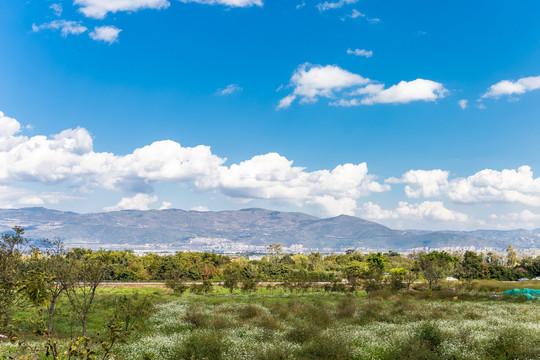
x=414, y=115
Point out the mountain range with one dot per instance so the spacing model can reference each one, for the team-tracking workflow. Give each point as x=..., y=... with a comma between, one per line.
x=244, y=230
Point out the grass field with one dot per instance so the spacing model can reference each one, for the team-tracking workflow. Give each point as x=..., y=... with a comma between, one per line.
x=418, y=325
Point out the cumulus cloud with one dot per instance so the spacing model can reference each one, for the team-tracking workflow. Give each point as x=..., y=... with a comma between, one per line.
x=407, y=91
x=360, y=52
x=422, y=183
x=230, y=89
x=137, y=202
x=66, y=27
x=200, y=208
x=68, y=157
x=108, y=34
x=273, y=177
x=311, y=82
x=506, y=186
x=427, y=210
x=230, y=3
x=524, y=219
x=98, y=9
x=165, y=205
x=13, y=197
x=463, y=104
x=56, y=8
x=328, y=5
x=507, y=87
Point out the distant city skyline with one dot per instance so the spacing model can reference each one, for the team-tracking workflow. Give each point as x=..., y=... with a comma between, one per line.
x=416, y=116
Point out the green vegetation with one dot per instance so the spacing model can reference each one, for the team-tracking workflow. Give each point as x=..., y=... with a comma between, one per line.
x=57, y=305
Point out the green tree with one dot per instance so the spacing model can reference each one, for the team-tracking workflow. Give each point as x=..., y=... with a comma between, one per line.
x=231, y=277
x=397, y=277
x=11, y=267
x=82, y=281
x=377, y=261
x=511, y=256
x=435, y=265
x=470, y=267
x=176, y=280
x=275, y=251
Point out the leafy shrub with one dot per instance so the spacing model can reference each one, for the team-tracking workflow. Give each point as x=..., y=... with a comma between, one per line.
x=346, y=307
x=328, y=347
x=302, y=333
x=423, y=345
x=196, y=317
x=249, y=312
x=513, y=343
x=202, y=345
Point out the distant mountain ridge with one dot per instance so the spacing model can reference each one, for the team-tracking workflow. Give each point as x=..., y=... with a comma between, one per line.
x=254, y=228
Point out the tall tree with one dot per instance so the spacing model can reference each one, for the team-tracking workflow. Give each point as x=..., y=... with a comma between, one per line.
x=11, y=263
x=82, y=282
x=511, y=256
x=435, y=265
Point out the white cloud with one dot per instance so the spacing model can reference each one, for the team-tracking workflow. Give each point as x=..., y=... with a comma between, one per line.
x=360, y=52
x=230, y=3
x=66, y=27
x=200, y=208
x=506, y=186
x=286, y=101
x=165, y=205
x=136, y=202
x=507, y=87
x=273, y=177
x=328, y=5
x=56, y=8
x=108, y=34
x=356, y=14
x=9, y=127
x=463, y=104
x=524, y=219
x=407, y=91
x=230, y=89
x=69, y=158
x=13, y=197
x=311, y=82
x=98, y=9
x=427, y=210
x=422, y=183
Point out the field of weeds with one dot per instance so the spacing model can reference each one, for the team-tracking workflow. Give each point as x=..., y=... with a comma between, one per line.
x=337, y=327
x=381, y=325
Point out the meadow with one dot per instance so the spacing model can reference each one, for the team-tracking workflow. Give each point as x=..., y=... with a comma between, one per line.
x=279, y=324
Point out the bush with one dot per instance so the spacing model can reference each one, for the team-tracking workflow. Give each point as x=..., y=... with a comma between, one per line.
x=513, y=343
x=423, y=345
x=328, y=347
x=346, y=307
x=249, y=312
x=203, y=345
x=302, y=333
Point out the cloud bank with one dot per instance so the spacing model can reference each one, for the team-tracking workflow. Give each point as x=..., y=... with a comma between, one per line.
x=68, y=159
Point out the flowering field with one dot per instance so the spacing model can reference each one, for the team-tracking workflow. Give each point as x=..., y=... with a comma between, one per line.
x=346, y=327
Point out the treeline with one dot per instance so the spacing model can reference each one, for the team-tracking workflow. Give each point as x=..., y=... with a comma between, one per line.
x=124, y=265
x=49, y=269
